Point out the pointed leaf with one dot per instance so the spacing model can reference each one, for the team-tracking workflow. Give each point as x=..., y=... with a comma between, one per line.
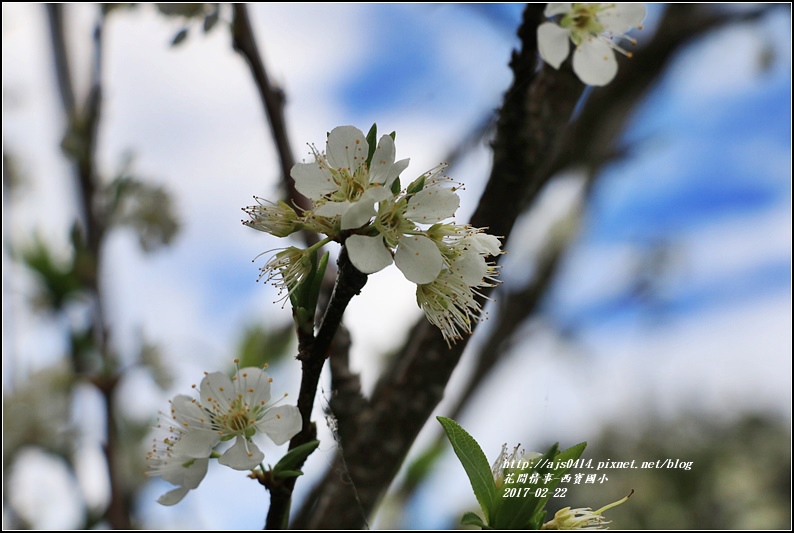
x=295, y=457
x=474, y=463
x=372, y=141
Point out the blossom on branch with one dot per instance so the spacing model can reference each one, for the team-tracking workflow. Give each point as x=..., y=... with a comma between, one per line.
x=228, y=409
x=358, y=201
x=593, y=29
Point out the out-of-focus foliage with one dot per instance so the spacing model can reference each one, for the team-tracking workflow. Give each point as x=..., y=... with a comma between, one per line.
x=59, y=282
x=209, y=14
x=146, y=208
x=36, y=412
x=739, y=479
x=261, y=345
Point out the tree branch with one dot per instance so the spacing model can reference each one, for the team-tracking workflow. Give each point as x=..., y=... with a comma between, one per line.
x=313, y=350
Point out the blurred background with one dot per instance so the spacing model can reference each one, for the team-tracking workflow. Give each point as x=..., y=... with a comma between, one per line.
x=646, y=303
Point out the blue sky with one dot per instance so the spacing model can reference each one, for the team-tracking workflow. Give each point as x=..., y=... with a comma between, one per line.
x=707, y=181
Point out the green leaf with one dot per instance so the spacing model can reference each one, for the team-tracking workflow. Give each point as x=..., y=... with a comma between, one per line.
x=473, y=519
x=372, y=139
x=474, y=463
x=416, y=185
x=286, y=474
x=395, y=186
x=295, y=457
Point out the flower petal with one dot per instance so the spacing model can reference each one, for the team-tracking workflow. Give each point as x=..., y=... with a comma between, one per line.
x=197, y=443
x=557, y=8
x=363, y=210
x=254, y=384
x=347, y=148
x=187, y=476
x=484, y=244
x=173, y=497
x=332, y=209
x=395, y=171
x=553, y=43
x=244, y=455
x=217, y=389
x=432, y=204
x=594, y=62
x=622, y=17
x=281, y=423
x=313, y=180
x=187, y=413
x=418, y=258
x=471, y=267
x=368, y=254
x=382, y=160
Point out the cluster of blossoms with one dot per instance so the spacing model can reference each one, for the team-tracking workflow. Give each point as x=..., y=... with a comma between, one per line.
x=235, y=408
x=358, y=201
x=593, y=29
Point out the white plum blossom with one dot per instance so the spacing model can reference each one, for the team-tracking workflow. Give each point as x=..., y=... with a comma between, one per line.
x=396, y=222
x=277, y=219
x=358, y=202
x=339, y=181
x=593, y=29
x=235, y=408
x=582, y=518
x=229, y=409
x=450, y=302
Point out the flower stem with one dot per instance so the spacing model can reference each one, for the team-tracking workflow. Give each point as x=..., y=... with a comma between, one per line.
x=313, y=350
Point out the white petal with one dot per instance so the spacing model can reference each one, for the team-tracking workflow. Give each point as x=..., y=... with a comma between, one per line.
x=313, y=180
x=395, y=171
x=190, y=476
x=332, y=209
x=217, y=389
x=197, y=443
x=368, y=254
x=553, y=8
x=553, y=43
x=484, y=244
x=418, y=258
x=244, y=455
x=622, y=17
x=471, y=267
x=347, y=148
x=432, y=204
x=281, y=423
x=254, y=384
x=187, y=411
x=363, y=210
x=382, y=160
x=594, y=62
x=173, y=497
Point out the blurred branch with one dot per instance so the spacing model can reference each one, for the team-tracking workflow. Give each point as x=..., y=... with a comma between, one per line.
x=273, y=99
x=80, y=144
